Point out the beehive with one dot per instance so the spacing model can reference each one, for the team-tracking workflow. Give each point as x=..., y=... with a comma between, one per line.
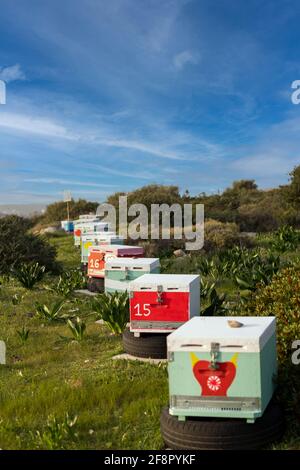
x=98, y=238
x=99, y=254
x=219, y=371
x=119, y=272
x=163, y=302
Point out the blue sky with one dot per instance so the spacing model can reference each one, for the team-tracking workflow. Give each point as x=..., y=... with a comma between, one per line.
x=109, y=95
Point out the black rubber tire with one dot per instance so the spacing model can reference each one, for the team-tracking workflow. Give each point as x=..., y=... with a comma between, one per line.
x=222, y=434
x=149, y=345
x=95, y=284
x=84, y=268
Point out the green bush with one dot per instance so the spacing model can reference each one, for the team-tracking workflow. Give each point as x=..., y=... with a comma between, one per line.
x=282, y=299
x=219, y=235
x=57, y=211
x=18, y=246
x=285, y=239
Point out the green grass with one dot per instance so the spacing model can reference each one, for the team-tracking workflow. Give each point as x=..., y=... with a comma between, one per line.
x=66, y=252
x=117, y=403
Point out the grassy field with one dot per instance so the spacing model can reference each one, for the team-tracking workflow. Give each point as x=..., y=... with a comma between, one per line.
x=59, y=393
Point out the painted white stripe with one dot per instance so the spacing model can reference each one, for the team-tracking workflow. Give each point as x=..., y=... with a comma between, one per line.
x=117, y=285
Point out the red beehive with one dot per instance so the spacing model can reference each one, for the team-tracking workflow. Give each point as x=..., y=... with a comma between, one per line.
x=163, y=302
x=98, y=255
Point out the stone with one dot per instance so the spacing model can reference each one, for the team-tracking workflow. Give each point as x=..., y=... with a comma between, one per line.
x=178, y=253
x=234, y=324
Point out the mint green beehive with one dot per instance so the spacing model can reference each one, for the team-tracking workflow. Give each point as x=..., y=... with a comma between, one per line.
x=119, y=272
x=216, y=370
x=98, y=238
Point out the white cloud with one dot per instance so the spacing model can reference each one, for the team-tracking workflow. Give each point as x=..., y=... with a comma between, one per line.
x=46, y=127
x=33, y=125
x=184, y=58
x=12, y=73
x=68, y=182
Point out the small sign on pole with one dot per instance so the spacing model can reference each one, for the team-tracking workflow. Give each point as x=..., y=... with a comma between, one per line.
x=68, y=199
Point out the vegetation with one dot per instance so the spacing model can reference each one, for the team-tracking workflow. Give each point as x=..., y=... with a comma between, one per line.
x=49, y=313
x=113, y=309
x=28, y=275
x=57, y=211
x=77, y=328
x=61, y=389
x=18, y=246
x=68, y=282
x=244, y=204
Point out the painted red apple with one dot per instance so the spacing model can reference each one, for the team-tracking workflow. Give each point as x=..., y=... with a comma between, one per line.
x=214, y=382
x=77, y=233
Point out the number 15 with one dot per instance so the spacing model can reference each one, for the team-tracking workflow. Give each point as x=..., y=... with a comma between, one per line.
x=145, y=310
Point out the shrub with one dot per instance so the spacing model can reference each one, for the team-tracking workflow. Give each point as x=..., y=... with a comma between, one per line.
x=219, y=235
x=29, y=274
x=282, y=299
x=113, y=309
x=57, y=211
x=17, y=246
x=285, y=239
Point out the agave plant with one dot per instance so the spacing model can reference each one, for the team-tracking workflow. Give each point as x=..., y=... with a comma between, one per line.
x=77, y=328
x=56, y=433
x=50, y=313
x=16, y=299
x=68, y=282
x=113, y=309
x=206, y=287
x=23, y=334
x=286, y=238
x=209, y=267
x=29, y=274
x=260, y=273
x=216, y=304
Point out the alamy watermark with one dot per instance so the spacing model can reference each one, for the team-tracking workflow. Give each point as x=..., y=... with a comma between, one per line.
x=162, y=222
x=296, y=354
x=2, y=92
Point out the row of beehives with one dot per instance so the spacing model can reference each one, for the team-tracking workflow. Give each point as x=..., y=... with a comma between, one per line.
x=157, y=302
x=234, y=367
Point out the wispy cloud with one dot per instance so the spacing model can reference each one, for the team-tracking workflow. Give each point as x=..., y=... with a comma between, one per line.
x=33, y=125
x=12, y=73
x=183, y=58
x=168, y=145
x=67, y=182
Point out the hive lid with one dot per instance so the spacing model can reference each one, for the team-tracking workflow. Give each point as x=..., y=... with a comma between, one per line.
x=115, y=248
x=199, y=332
x=131, y=262
x=165, y=280
x=97, y=235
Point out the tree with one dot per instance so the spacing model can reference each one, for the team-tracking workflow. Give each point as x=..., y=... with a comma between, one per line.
x=57, y=211
x=292, y=191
